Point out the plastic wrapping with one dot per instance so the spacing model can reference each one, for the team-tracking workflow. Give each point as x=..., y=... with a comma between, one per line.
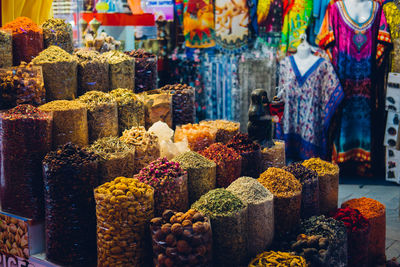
x=121, y=229
x=198, y=136
x=122, y=70
x=273, y=156
x=21, y=85
x=70, y=176
x=69, y=122
x=226, y=130
x=145, y=70
x=58, y=32
x=25, y=138
x=6, y=58
x=158, y=107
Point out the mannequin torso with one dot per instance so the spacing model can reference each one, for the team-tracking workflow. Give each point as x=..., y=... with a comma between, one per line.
x=359, y=10
x=304, y=57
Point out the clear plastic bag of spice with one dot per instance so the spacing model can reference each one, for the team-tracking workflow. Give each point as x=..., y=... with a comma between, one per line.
x=6, y=49
x=226, y=130
x=122, y=70
x=198, y=136
x=181, y=239
x=58, y=32
x=25, y=138
x=145, y=74
x=273, y=156
x=122, y=222
x=103, y=121
x=158, y=107
x=251, y=163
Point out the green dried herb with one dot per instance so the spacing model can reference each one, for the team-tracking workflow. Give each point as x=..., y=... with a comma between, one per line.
x=53, y=54
x=58, y=32
x=6, y=59
x=108, y=147
x=93, y=99
x=122, y=70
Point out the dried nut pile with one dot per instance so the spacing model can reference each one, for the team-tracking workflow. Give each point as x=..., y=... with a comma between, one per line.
x=181, y=239
x=6, y=59
x=287, y=198
x=58, y=32
x=170, y=183
x=272, y=258
x=201, y=173
x=146, y=145
x=198, y=136
x=124, y=208
x=145, y=70
x=122, y=70
x=226, y=130
x=229, y=163
x=14, y=237
x=313, y=248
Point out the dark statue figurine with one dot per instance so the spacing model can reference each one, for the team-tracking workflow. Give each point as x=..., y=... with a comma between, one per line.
x=259, y=127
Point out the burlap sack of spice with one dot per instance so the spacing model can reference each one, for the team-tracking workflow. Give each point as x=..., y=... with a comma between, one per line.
x=273, y=156
x=158, y=107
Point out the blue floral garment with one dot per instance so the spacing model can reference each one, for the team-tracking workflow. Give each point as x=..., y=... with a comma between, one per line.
x=310, y=101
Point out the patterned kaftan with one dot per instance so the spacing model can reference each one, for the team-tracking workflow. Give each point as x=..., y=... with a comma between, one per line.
x=355, y=50
x=310, y=101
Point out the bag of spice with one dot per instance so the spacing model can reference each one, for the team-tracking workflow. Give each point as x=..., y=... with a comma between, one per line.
x=116, y=158
x=58, y=32
x=27, y=39
x=183, y=107
x=328, y=178
x=260, y=212
x=229, y=163
x=198, y=136
x=277, y=258
x=60, y=71
x=274, y=156
x=69, y=122
x=201, y=173
x=25, y=138
x=6, y=59
x=170, y=183
x=287, y=198
x=122, y=70
x=130, y=109
x=21, y=85
x=181, y=239
x=228, y=215
x=250, y=152
x=124, y=208
x=158, y=107
x=102, y=114
x=226, y=130
x=375, y=213
x=358, y=230
x=310, y=189
x=93, y=71
x=145, y=70
x=146, y=146
x=70, y=176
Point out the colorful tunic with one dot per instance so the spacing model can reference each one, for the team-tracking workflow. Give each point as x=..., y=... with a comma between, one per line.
x=270, y=20
x=392, y=14
x=355, y=50
x=319, y=10
x=310, y=101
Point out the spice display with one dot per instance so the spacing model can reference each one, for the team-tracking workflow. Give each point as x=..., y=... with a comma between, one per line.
x=27, y=39
x=357, y=235
x=260, y=212
x=102, y=114
x=158, y=107
x=310, y=189
x=59, y=72
x=170, y=183
x=14, y=236
x=183, y=107
x=116, y=158
x=229, y=163
x=287, y=198
x=375, y=213
x=181, y=239
x=122, y=70
x=145, y=70
x=272, y=258
x=25, y=138
x=334, y=239
x=328, y=178
x=130, y=109
x=58, y=32
x=198, y=136
x=146, y=146
x=124, y=208
x=6, y=49
x=21, y=85
x=228, y=217
x=250, y=152
x=274, y=156
x=226, y=130
x=69, y=122
x=93, y=71
x=70, y=176
x=101, y=42
x=201, y=173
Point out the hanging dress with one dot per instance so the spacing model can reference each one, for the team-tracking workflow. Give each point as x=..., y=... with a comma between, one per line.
x=310, y=101
x=270, y=20
x=355, y=50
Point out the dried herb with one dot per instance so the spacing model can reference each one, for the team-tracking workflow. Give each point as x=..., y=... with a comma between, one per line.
x=158, y=107
x=273, y=156
x=226, y=130
x=201, y=173
x=272, y=258
x=25, y=138
x=6, y=49
x=59, y=72
x=122, y=70
x=70, y=176
x=260, y=212
x=145, y=70
x=121, y=229
x=198, y=136
x=228, y=217
x=313, y=248
x=58, y=32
